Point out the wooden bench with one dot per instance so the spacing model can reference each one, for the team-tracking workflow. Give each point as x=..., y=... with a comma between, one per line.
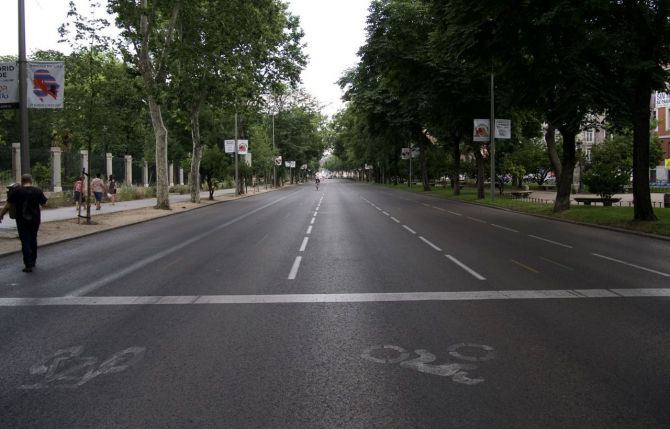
x=521, y=194
x=607, y=202
x=546, y=187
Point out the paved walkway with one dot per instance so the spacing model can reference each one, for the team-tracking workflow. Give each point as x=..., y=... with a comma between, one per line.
x=63, y=213
x=656, y=198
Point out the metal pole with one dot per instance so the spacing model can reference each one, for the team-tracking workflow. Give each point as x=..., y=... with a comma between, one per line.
x=237, y=178
x=411, y=150
x=23, y=91
x=492, y=132
x=274, y=164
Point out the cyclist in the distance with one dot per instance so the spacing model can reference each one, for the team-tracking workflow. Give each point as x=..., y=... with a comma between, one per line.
x=317, y=181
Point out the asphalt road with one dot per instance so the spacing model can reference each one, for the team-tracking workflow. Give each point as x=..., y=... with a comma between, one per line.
x=351, y=306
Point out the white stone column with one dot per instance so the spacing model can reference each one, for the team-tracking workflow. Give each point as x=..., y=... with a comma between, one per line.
x=16, y=162
x=145, y=174
x=129, y=169
x=55, y=169
x=83, y=155
x=181, y=176
x=108, y=159
x=171, y=173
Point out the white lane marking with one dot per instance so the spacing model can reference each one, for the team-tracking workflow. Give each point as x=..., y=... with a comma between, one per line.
x=472, y=272
x=395, y=220
x=454, y=213
x=294, y=268
x=303, y=246
x=409, y=229
x=556, y=263
x=476, y=220
x=525, y=267
x=312, y=221
x=146, y=261
x=439, y=208
x=309, y=229
x=430, y=244
x=632, y=265
x=386, y=213
x=426, y=205
x=550, y=241
x=316, y=213
x=378, y=208
x=504, y=227
x=346, y=297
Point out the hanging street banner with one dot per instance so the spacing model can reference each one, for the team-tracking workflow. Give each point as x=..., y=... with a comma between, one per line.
x=46, y=84
x=481, y=132
x=503, y=129
x=278, y=160
x=404, y=153
x=247, y=159
x=416, y=151
x=287, y=164
x=662, y=99
x=667, y=164
x=242, y=147
x=9, y=86
x=229, y=146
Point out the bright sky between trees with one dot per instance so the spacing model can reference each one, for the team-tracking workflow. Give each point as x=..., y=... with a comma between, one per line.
x=334, y=31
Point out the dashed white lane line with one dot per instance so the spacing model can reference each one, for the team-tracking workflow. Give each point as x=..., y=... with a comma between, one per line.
x=294, y=268
x=476, y=220
x=556, y=263
x=309, y=229
x=567, y=246
x=472, y=272
x=485, y=295
x=316, y=213
x=439, y=208
x=312, y=221
x=386, y=213
x=639, y=267
x=303, y=246
x=525, y=267
x=454, y=213
x=409, y=229
x=425, y=205
x=504, y=227
x=430, y=244
x=395, y=220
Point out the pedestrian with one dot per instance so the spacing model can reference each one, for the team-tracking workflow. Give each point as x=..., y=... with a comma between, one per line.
x=26, y=200
x=111, y=188
x=78, y=192
x=98, y=187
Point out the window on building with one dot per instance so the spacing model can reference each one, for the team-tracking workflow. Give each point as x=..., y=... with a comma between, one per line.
x=589, y=136
x=588, y=154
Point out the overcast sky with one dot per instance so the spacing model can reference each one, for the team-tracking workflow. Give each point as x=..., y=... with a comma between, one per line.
x=334, y=30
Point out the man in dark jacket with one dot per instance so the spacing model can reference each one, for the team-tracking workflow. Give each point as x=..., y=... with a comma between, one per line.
x=26, y=200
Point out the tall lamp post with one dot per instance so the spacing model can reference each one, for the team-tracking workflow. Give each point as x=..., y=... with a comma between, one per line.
x=23, y=91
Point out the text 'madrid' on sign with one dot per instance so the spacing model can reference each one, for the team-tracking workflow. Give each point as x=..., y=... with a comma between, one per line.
x=9, y=86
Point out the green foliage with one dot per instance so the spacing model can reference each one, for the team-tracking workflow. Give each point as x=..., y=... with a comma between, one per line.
x=611, y=166
x=41, y=175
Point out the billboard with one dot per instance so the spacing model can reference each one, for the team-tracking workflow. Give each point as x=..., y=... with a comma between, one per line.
x=46, y=84
x=9, y=86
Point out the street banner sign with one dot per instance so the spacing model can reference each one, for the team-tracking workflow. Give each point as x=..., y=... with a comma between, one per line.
x=662, y=99
x=481, y=131
x=9, y=86
x=242, y=147
x=667, y=164
x=292, y=164
x=278, y=160
x=287, y=164
x=229, y=146
x=303, y=167
x=404, y=153
x=247, y=159
x=46, y=84
x=416, y=151
x=503, y=129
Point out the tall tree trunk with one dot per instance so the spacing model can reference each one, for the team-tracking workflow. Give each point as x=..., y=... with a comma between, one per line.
x=550, y=138
x=456, y=151
x=160, y=132
x=641, y=193
x=481, y=169
x=196, y=155
x=564, y=182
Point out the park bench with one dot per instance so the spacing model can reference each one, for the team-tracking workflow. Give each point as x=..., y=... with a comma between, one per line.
x=521, y=194
x=546, y=187
x=607, y=202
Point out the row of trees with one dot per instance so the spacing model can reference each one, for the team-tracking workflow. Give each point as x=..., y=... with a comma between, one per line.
x=427, y=65
x=173, y=81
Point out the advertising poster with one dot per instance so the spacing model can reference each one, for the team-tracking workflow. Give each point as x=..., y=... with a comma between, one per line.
x=242, y=147
x=9, y=86
x=46, y=84
x=481, y=131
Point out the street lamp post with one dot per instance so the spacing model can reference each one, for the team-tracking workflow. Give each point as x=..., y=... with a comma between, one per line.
x=492, y=133
x=274, y=163
x=23, y=91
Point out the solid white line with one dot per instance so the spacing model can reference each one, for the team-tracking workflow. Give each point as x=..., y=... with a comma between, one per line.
x=146, y=261
x=454, y=213
x=409, y=229
x=386, y=213
x=472, y=272
x=476, y=220
x=337, y=298
x=430, y=244
x=395, y=220
x=303, y=246
x=294, y=268
x=312, y=221
x=309, y=229
x=632, y=265
x=504, y=227
x=550, y=241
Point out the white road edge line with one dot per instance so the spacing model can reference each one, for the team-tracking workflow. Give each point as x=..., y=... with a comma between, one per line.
x=472, y=272
x=550, y=241
x=454, y=213
x=294, y=269
x=312, y=221
x=409, y=229
x=309, y=229
x=430, y=244
x=631, y=265
x=504, y=227
x=303, y=246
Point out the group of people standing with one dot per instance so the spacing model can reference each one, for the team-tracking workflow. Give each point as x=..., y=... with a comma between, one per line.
x=98, y=187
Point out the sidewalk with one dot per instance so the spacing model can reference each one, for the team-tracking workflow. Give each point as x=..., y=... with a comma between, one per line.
x=625, y=198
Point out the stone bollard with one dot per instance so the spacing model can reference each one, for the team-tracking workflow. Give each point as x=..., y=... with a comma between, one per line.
x=108, y=159
x=129, y=170
x=55, y=169
x=171, y=173
x=83, y=155
x=181, y=176
x=145, y=174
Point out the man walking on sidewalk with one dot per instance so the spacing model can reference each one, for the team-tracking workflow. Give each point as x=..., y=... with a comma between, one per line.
x=27, y=200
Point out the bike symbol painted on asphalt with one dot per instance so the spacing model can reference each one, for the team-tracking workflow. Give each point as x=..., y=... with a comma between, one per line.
x=389, y=354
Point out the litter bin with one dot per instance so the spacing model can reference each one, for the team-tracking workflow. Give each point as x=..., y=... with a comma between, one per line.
x=666, y=201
